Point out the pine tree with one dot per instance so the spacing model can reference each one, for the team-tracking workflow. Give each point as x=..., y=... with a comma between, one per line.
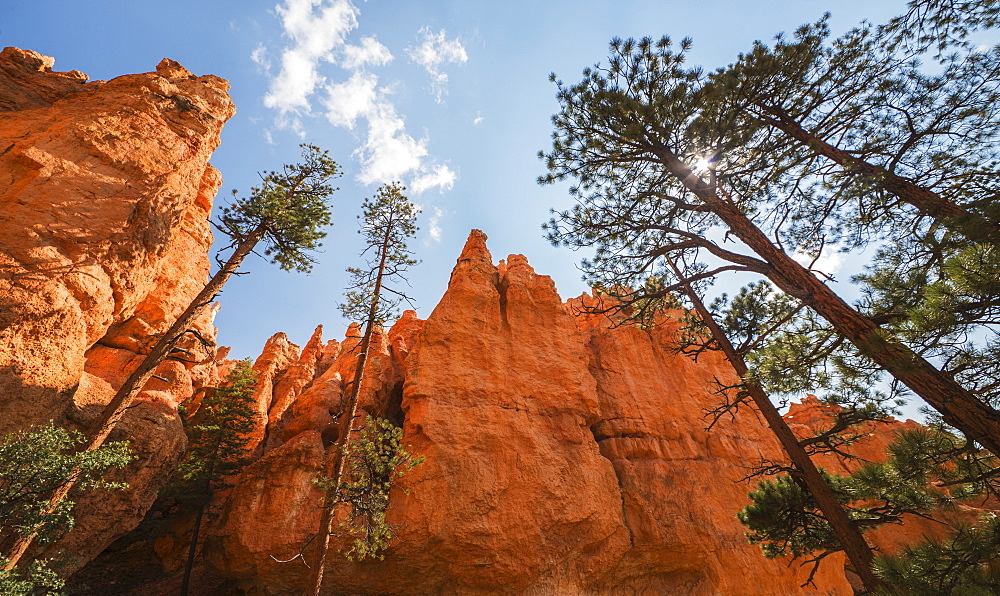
x=966, y=563
x=666, y=164
x=287, y=213
x=847, y=535
x=218, y=436
x=681, y=177
x=388, y=221
x=376, y=460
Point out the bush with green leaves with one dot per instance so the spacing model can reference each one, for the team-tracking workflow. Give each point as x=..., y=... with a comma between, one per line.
x=39, y=580
x=34, y=463
x=965, y=564
x=37, y=461
x=377, y=459
x=218, y=435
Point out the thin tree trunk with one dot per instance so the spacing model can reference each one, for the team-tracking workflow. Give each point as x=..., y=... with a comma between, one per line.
x=973, y=226
x=185, y=585
x=958, y=407
x=337, y=458
x=116, y=408
x=855, y=547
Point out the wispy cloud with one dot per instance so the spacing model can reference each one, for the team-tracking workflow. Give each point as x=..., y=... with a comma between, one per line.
x=434, y=51
x=434, y=225
x=261, y=59
x=370, y=51
x=315, y=28
x=318, y=31
x=438, y=176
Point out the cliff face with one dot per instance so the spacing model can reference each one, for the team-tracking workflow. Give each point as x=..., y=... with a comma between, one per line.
x=564, y=456
x=105, y=190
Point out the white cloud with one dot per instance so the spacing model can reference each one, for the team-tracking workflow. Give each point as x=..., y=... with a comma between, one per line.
x=434, y=225
x=478, y=119
x=353, y=98
x=260, y=58
x=438, y=176
x=315, y=27
x=829, y=262
x=434, y=51
x=318, y=31
x=389, y=153
x=370, y=51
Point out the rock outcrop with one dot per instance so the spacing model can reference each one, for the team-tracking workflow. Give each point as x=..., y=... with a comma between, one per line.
x=105, y=192
x=563, y=456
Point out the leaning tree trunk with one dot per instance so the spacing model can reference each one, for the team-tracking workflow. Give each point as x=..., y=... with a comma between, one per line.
x=973, y=226
x=192, y=550
x=855, y=547
x=958, y=407
x=337, y=458
x=116, y=408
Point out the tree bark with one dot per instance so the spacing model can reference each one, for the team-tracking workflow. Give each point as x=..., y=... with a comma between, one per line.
x=116, y=408
x=186, y=583
x=336, y=460
x=958, y=407
x=853, y=543
x=973, y=226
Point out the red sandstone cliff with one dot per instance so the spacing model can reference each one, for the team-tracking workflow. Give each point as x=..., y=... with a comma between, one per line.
x=563, y=457
x=105, y=190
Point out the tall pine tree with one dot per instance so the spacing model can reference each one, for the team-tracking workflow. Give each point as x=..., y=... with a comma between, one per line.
x=795, y=147
x=388, y=222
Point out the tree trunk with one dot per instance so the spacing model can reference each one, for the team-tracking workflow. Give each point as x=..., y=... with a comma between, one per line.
x=336, y=460
x=116, y=408
x=855, y=547
x=185, y=585
x=973, y=226
x=958, y=407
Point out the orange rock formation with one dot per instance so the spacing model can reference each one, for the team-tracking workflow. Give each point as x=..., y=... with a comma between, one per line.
x=563, y=457
x=105, y=189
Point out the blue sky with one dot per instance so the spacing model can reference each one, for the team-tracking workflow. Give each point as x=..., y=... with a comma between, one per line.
x=450, y=96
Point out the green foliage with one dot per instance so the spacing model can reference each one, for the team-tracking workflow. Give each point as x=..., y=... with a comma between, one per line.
x=948, y=308
x=218, y=436
x=388, y=222
x=790, y=350
x=866, y=95
x=784, y=518
x=927, y=471
x=943, y=24
x=289, y=207
x=39, y=580
x=965, y=564
x=37, y=461
x=376, y=460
